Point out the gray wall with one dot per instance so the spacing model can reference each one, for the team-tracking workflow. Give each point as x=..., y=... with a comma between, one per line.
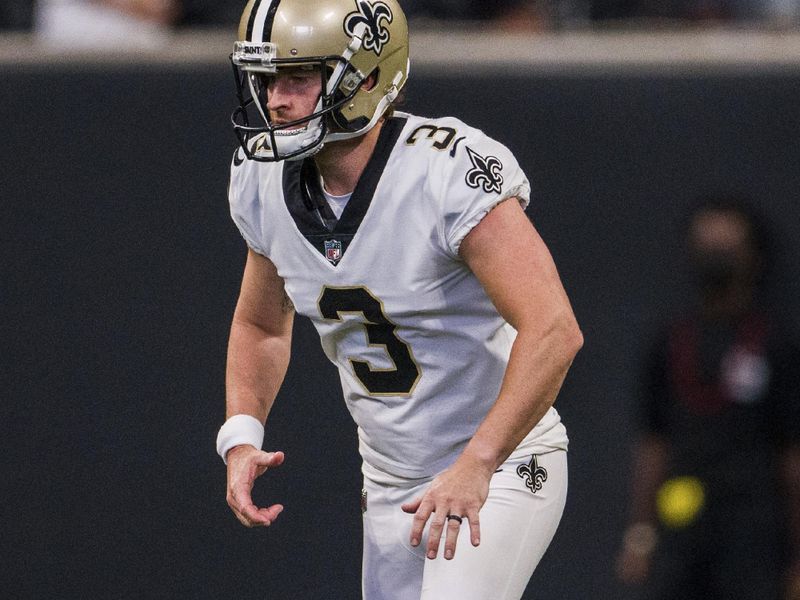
x=120, y=272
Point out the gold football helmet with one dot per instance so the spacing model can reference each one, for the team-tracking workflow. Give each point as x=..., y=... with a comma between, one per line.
x=346, y=41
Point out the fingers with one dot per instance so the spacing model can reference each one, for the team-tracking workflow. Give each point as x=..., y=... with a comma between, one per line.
x=454, y=520
x=421, y=515
x=443, y=524
x=269, y=459
x=434, y=507
x=452, y=528
x=244, y=466
x=252, y=516
x=411, y=507
x=474, y=527
x=438, y=520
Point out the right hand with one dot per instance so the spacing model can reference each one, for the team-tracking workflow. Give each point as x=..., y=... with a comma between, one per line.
x=245, y=464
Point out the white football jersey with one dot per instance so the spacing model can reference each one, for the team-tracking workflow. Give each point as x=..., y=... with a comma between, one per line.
x=420, y=348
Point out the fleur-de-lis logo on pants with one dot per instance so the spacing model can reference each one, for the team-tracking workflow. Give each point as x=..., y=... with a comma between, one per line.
x=372, y=14
x=485, y=172
x=533, y=474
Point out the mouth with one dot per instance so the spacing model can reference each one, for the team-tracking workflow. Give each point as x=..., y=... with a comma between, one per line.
x=291, y=131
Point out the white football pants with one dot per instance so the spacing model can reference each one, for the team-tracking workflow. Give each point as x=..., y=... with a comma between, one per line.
x=525, y=503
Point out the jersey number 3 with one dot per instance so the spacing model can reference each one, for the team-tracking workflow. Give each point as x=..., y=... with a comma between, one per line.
x=397, y=381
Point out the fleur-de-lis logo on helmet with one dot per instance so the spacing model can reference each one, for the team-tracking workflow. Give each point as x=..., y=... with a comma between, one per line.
x=372, y=14
x=533, y=474
x=486, y=172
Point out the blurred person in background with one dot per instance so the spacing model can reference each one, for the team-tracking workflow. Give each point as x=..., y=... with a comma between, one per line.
x=715, y=510
x=534, y=15
x=210, y=13
x=86, y=24
x=505, y=15
x=769, y=12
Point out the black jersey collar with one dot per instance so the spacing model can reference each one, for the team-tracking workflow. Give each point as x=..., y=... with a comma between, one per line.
x=310, y=210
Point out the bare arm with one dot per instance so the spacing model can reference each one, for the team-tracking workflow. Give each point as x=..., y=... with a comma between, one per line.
x=649, y=472
x=515, y=268
x=260, y=340
x=258, y=356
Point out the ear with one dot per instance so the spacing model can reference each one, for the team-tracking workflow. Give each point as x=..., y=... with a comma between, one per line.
x=370, y=81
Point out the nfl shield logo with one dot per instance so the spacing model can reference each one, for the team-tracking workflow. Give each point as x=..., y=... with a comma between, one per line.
x=333, y=250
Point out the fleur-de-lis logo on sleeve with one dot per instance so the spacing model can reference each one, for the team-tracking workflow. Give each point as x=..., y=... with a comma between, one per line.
x=485, y=172
x=533, y=474
x=372, y=14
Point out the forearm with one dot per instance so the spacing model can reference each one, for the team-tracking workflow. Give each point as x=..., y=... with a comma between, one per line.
x=649, y=472
x=536, y=370
x=641, y=535
x=257, y=361
x=256, y=367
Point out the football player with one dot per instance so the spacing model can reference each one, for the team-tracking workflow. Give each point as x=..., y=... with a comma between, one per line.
x=404, y=240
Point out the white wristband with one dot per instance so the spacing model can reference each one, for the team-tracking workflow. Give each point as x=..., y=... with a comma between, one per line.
x=237, y=431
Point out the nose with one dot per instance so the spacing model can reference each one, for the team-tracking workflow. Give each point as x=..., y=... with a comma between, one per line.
x=278, y=96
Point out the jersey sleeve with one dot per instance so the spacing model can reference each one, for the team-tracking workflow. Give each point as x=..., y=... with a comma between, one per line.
x=481, y=174
x=245, y=205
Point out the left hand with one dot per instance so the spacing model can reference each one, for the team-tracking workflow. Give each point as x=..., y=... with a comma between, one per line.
x=461, y=490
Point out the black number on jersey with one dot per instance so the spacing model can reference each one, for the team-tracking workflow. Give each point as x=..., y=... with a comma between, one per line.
x=432, y=131
x=396, y=381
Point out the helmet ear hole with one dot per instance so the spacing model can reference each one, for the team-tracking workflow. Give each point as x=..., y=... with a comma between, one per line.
x=371, y=80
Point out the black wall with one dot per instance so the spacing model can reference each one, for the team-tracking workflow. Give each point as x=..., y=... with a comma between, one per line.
x=120, y=270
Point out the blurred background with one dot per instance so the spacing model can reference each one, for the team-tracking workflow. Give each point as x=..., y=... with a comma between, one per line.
x=121, y=267
x=517, y=15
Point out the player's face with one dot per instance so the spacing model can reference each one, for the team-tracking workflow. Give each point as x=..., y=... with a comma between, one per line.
x=292, y=94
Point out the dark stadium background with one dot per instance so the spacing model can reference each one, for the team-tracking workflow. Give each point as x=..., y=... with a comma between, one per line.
x=120, y=271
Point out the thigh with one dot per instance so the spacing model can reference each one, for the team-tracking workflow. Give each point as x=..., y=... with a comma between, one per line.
x=525, y=503
x=391, y=568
